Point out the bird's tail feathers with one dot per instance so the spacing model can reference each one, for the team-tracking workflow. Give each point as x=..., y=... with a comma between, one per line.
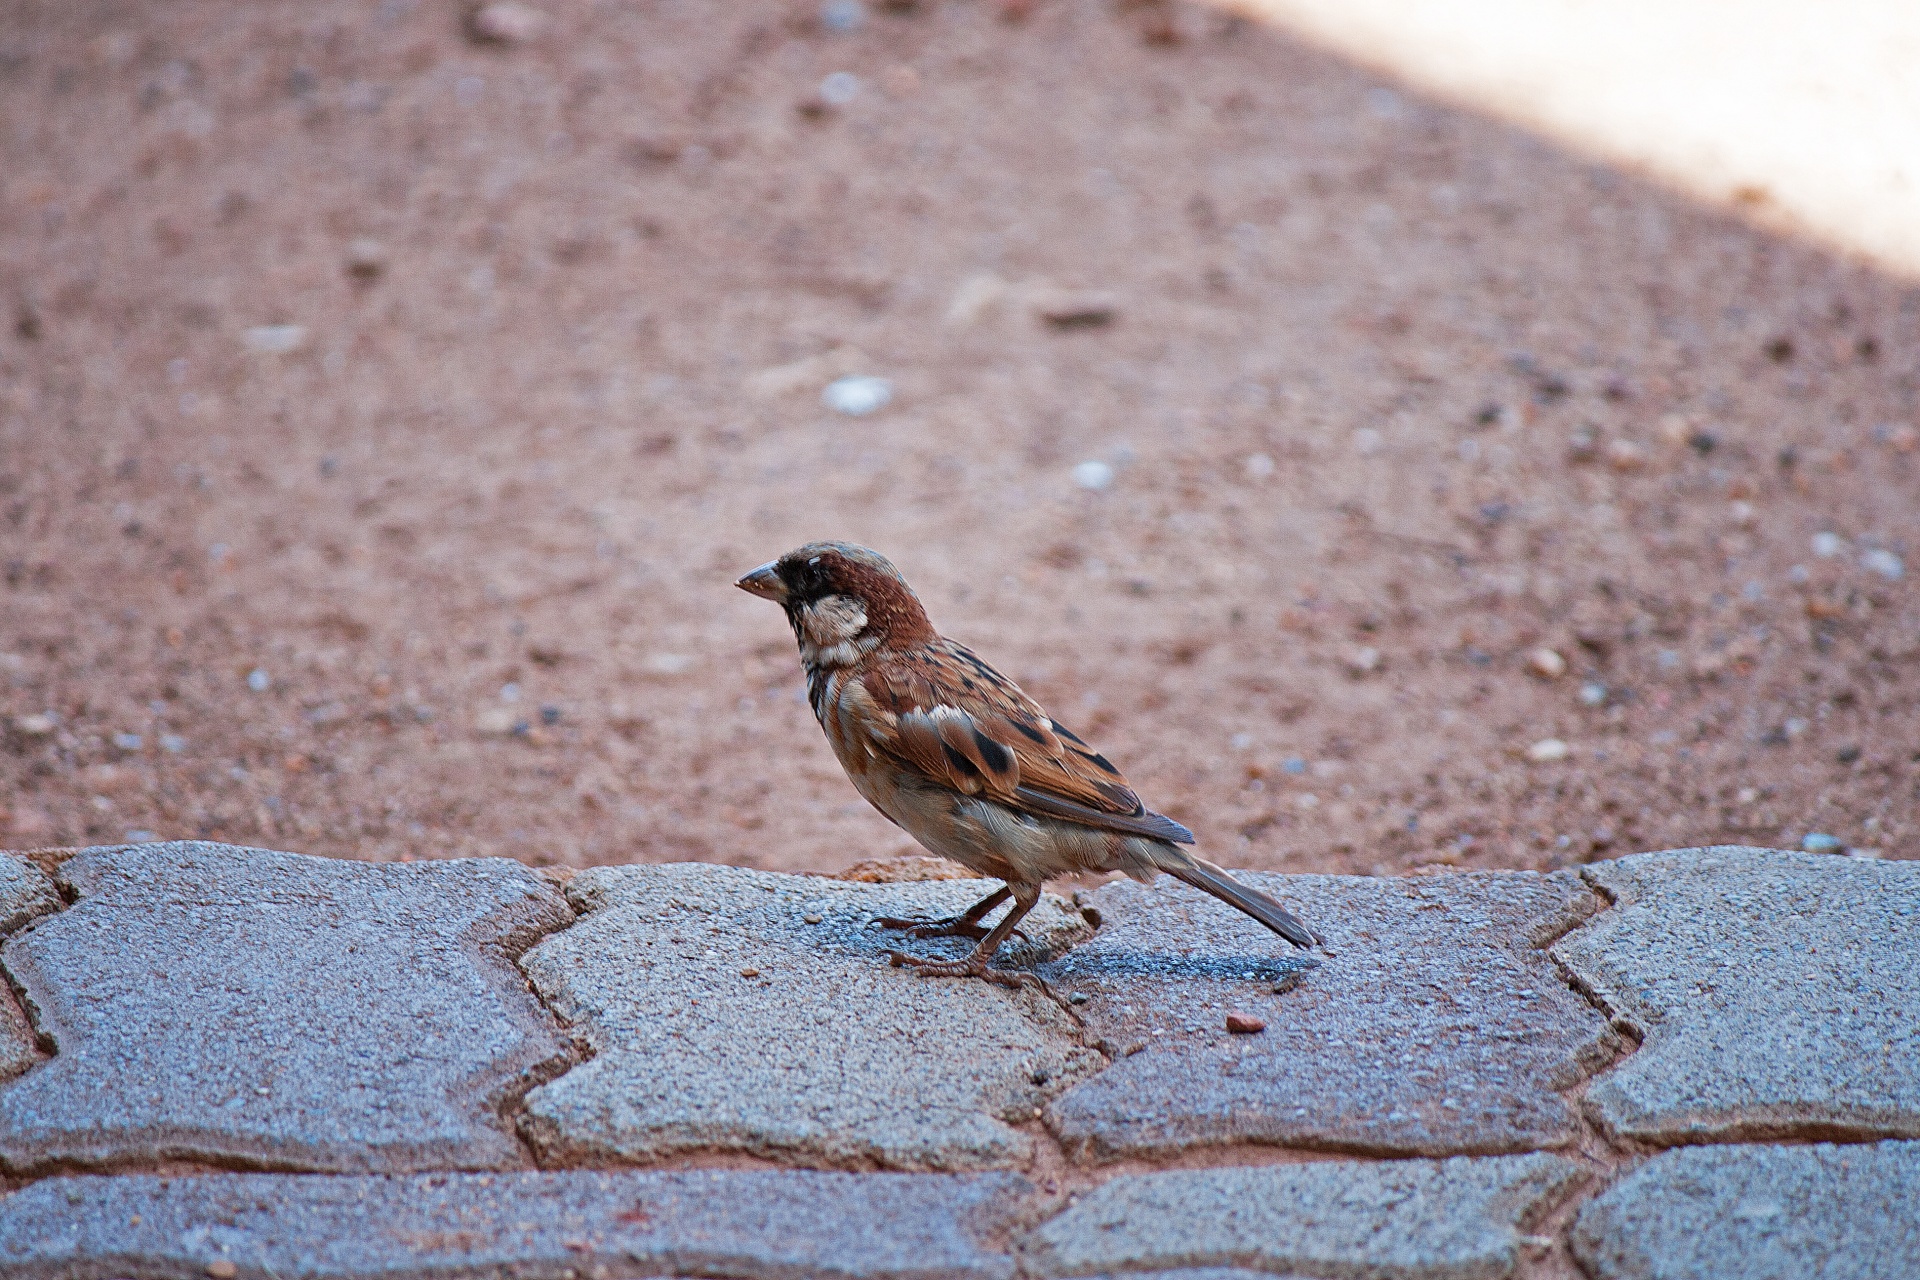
x=1203, y=875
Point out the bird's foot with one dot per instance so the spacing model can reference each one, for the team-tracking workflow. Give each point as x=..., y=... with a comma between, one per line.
x=951, y=927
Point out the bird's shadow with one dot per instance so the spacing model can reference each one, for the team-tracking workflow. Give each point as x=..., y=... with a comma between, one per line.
x=1100, y=963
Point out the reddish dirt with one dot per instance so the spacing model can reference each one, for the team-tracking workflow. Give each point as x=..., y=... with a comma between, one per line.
x=1361, y=344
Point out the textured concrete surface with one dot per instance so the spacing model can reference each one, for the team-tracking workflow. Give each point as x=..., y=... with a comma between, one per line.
x=239, y=1005
x=24, y=894
x=1409, y=1219
x=1438, y=1026
x=530, y=1226
x=823, y=1054
x=1776, y=994
x=1759, y=1213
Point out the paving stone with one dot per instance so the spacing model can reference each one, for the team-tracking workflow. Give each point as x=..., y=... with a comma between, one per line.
x=239, y=1005
x=24, y=894
x=1406, y=1219
x=1438, y=1026
x=825, y=1055
x=1776, y=995
x=1759, y=1213
x=529, y=1226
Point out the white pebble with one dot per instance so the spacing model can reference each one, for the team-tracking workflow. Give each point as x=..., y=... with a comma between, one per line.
x=1259, y=466
x=1884, y=563
x=1368, y=441
x=258, y=680
x=275, y=339
x=1093, y=475
x=1827, y=545
x=840, y=88
x=1364, y=661
x=1546, y=664
x=857, y=395
x=1548, y=750
x=1593, y=693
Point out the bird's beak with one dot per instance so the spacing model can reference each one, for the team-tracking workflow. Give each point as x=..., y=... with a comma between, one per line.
x=765, y=583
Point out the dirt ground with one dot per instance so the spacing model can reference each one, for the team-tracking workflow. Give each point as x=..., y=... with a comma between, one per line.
x=385, y=414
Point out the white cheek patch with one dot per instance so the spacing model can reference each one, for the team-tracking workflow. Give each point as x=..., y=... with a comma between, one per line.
x=832, y=632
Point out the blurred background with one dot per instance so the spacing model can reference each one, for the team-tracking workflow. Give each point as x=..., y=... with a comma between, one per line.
x=1400, y=435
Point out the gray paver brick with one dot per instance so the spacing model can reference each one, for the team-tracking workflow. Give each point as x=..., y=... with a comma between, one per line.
x=827, y=1056
x=1405, y=1219
x=1776, y=994
x=528, y=1226
x=25, y=893
x=1439, y=1026
x=1759, y=1213
x=224, y=1004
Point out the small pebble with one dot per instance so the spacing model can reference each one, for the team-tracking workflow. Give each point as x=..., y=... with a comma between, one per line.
x=127, y=741
x=1093, y=475
x=1367, y=441
x=857, y=395
x=840, y=88
x=843, y=16
x=258, y=680
x=812, y=919
x=1821, y=842
x=1076, y=308
x=36, y=726
x=1078, y=997
x=496, y=720
x=366, y=260
x=1625, y=455
x=1259, y=466
x=1364, y=661
x=1827, y=545
x=222, y=1269
x=275, y=339
x=1245, y=1024
x=1884, y=563
x=749, y=972
x=1548, y=750
x=172, y=743
x=1294, y=765
x=507, y=23
x=1546, y=664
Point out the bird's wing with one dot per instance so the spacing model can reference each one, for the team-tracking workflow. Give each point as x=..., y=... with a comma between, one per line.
x=954, y=719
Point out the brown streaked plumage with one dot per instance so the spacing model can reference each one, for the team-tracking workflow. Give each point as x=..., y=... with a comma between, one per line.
x=955, y=754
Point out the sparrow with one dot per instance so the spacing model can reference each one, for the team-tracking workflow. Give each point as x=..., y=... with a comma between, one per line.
x=953, y=753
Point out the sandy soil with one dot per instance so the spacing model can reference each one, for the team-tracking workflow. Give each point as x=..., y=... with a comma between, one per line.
x=447, y=386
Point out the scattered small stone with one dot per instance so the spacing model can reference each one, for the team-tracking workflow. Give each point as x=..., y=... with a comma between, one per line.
x=839, y=89
x=1367, y=441
x=1093, y=475
x=222, y=1269
x=258, y=680
x=366, y=260
x=1294, y=765
x=275, y=339
x=1884, y=563
x=172, y=743
x=1547, y=664
x=813, y=919
x=1821, y=842
x=1742, y=514
x=128, y=741
x=1626, y=455
x=1827, y=545
x=38, y=725
x=506, y=23
x=1078, y=997
x=1245, y=1024
x=1259, y=466
x=1583, y=445
x=1364, y=661
x=843, y=16
x=857, y=395
x=749, y=972
x=1548, y=751
x=1075, y=308
x=497, y=720
x=666, y=664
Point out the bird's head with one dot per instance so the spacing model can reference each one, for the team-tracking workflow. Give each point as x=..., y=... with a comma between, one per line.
x=843, y=600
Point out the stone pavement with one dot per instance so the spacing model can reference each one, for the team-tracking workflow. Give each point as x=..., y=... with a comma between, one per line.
x=292, y=1067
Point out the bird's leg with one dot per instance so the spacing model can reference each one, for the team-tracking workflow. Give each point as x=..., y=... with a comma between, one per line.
x=975, y=965
x=966, y=925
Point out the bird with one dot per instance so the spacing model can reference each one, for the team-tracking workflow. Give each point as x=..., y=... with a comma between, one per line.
x=953, y=753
